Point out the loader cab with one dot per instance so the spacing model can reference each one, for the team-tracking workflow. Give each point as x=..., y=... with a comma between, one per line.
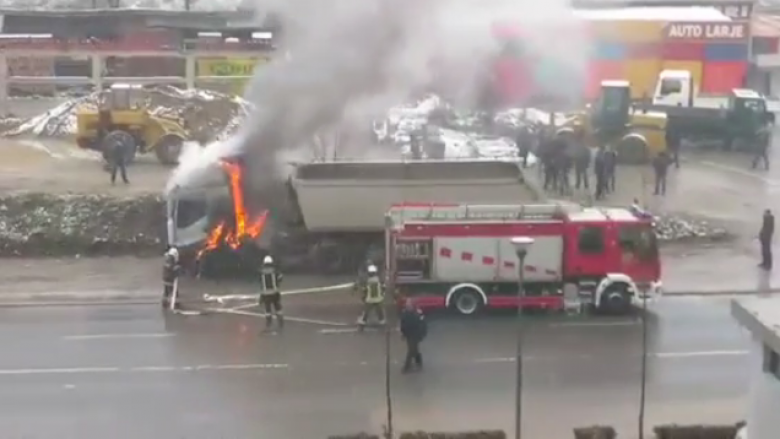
x=604, y=241
x=124, y=97
x=610, y=115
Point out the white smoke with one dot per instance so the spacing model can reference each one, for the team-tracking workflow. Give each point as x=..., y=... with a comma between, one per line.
x=349, y=60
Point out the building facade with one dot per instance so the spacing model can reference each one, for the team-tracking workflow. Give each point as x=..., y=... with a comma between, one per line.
x=761, y=316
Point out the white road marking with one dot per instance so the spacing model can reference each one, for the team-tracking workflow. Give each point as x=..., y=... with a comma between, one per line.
x=144, y=369
x=740, y=171
x=701, y=354
x=354, y=330
x=116, y=336
x=594, y=324
x=286, y=318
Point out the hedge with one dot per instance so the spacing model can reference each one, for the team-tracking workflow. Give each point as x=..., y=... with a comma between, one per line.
x=696, y=431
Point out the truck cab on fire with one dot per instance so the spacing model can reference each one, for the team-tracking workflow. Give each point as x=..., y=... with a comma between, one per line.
x=461, y=257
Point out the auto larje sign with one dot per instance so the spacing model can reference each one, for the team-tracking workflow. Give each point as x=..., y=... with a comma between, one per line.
x=723, y=31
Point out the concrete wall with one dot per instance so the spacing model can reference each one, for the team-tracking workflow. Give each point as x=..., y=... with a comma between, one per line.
x=764, y=405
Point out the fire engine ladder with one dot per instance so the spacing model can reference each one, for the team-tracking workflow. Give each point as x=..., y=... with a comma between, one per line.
x=474, y=212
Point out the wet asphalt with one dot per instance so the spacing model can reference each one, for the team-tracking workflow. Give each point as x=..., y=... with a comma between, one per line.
x=132, y=371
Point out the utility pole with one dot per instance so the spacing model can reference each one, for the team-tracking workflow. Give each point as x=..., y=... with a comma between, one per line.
x=521, y=244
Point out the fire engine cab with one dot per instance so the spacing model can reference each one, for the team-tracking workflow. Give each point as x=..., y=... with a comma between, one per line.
x=461, y=256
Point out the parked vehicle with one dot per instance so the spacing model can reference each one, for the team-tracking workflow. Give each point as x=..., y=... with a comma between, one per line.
x=461, y=256
x=731, y=121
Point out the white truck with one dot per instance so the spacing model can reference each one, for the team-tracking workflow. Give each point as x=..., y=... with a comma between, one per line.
x=730, y=121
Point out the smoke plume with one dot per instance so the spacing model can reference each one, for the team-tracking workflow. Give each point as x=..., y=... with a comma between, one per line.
x=342, y=63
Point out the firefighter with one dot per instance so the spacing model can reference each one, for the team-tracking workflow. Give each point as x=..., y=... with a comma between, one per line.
x=765, y=239
x=414, y=328
x=171, y=271
x=373, y=297
x=660, y=168
x=270, y=295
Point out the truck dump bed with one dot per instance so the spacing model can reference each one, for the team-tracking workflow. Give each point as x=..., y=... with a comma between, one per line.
x=354, y=196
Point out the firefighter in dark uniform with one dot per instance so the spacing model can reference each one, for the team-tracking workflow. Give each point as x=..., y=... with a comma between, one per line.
x=660, y=168
x=414, y=328
x=373, y=297
x=761, y=144
x=117, y=160
x=270, y=295
x=171, y=271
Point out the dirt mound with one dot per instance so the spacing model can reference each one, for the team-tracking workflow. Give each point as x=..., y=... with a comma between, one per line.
x=39, y=224
x=210, y=115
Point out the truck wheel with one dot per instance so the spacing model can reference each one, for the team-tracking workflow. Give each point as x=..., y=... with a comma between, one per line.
x=632, y=150
x=116, y=138
x=168, y=149
x=467, y=302
x=616, y=300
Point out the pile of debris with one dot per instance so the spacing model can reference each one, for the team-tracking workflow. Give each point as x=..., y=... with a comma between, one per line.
x=673, y=228
x=40, y=224
x=209, y=115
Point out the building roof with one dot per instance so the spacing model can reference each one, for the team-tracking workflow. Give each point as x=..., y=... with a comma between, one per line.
x=761, y=316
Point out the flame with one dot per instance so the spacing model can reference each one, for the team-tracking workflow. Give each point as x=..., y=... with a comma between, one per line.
x=244, y=228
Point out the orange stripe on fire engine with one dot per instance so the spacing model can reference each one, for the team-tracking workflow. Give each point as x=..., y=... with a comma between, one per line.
x=552, y=228
x=487, y=260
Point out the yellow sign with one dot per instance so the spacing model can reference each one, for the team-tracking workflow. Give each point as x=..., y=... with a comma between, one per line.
x=228, y=67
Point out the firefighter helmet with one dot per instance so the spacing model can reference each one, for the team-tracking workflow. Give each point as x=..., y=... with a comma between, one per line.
x=268, y=260
x=371, y=269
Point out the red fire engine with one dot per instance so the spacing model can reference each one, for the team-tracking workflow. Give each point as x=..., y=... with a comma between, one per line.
x=462, y=257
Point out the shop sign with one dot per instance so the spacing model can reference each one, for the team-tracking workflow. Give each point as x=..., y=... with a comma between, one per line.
x=730, y=31
x=738, y=11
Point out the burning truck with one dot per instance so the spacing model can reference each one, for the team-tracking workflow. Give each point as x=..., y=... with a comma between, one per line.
x=326, y=217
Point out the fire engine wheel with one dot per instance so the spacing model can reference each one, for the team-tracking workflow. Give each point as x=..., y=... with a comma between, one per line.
x=467, y=302
x=616, y=300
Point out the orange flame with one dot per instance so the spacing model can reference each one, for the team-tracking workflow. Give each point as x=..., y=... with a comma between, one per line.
x=245, y=228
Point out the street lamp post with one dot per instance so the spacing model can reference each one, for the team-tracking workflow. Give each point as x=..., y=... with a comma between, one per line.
x=521, y=244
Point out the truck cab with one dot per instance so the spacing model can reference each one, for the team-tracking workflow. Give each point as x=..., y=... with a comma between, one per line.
x=735, y=118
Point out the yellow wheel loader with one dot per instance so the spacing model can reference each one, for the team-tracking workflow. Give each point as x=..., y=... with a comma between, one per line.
x=637, y=135
x=122, y=117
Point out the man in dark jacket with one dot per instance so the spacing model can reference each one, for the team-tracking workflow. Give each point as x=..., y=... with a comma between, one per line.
x=523, y=142
x=610, y=168
x=661, y=164
x=414, y=328
x=599, y=168
x=765, y=238
x=581, y=165
x=117, y=159
x=761, y=149
x=673, y=140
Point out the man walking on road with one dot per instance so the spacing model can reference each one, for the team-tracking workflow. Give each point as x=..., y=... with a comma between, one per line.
x=414, y=328
x=660, y=168
x=765, y=238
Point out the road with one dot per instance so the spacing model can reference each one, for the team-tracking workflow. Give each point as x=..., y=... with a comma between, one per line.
x=130, y=372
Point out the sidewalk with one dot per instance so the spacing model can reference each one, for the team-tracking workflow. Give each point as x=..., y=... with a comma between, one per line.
x=715, y=271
